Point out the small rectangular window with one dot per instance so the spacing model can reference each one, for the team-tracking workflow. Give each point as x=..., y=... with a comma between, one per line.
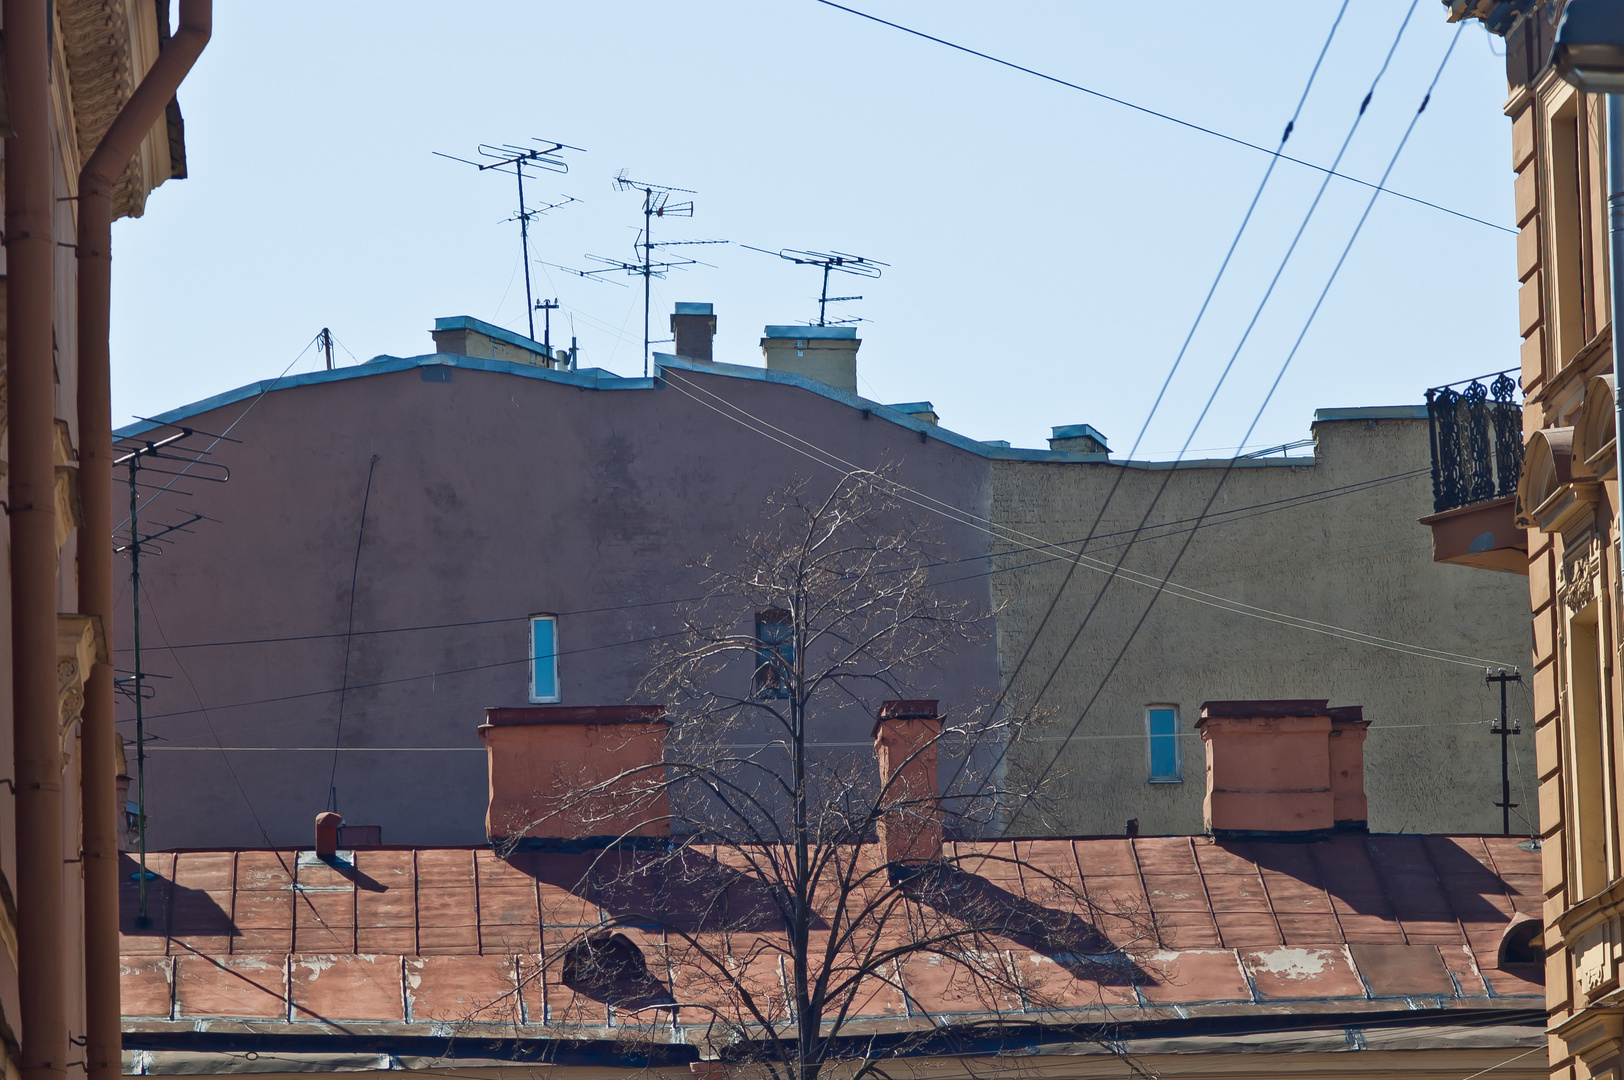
x=544, y=658
x=775, y=653
x=1162, y=730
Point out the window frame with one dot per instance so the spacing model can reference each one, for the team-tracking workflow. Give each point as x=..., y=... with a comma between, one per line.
x=760, y=688
x=557, y=695
x=1151, y=735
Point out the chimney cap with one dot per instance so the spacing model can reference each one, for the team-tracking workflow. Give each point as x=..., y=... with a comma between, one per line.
x=848, y=333
x=1077, y=431
x=1264, y=710
x=685, y=308
x=910, y=709
x=1347, y=714
x=533, y=715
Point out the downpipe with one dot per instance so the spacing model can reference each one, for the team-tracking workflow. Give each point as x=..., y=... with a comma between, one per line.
x=98, y=790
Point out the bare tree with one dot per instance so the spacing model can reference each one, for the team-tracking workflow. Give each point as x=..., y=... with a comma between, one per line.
x=805, y=884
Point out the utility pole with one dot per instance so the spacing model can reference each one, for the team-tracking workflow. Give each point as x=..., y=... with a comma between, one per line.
x=149, y=455
x=547, y=307
x=326, y=337
x=1505, y=728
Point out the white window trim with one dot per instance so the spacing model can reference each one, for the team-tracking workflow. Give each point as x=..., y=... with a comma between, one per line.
x=558, y=689
x=1178, y=746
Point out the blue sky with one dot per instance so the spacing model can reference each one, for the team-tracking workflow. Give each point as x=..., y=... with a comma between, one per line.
x=1048, y=250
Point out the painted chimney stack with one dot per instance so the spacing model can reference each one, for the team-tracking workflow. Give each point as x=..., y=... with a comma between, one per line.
x=825, y=353
x=564, y=777
x=1348, y=804
x=693, y=330
x=327, y=834
x=1283, y=769
x=910, y=825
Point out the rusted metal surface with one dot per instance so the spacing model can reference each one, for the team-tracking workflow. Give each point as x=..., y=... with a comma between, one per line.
x=399, y=941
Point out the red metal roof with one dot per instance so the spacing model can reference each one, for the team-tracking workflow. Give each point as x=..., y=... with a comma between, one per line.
x=409, y=938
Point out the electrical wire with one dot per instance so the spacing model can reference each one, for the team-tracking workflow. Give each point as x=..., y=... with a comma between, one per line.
x=1048, y=549
x=932, y=505
x=217, y=440
x=1178, y=360
x=1223, y=378
x=349, y=636
x=1378, y=187
x=1284, y=367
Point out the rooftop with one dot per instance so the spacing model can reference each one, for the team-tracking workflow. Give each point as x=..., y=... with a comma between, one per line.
x=395, y=944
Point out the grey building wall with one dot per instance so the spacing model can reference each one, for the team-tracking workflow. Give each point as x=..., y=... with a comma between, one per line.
x=1334, y=541
x=503, y=490
x=498, y=491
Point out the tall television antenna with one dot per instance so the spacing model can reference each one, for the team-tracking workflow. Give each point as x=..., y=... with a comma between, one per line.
x=855, y=265
x=139, y=457
x=656, y=203
x=513, y=160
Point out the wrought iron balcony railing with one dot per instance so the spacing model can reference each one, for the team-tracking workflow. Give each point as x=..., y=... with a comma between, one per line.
x=1476, y=434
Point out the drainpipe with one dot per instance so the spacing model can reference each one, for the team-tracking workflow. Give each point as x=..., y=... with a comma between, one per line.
x=1615, y=244
x=98, y=789
x=31, y=508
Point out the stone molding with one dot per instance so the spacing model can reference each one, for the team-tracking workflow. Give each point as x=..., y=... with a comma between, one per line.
x=80, y=642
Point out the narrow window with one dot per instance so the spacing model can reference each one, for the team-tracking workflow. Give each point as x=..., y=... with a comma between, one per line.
x=1566, y=324
x=544, y=658
x=1162, y=731
x=775, y=653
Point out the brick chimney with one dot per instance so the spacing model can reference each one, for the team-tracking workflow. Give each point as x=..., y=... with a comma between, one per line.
x=825, y=353
x=693, y=330
x=553, y=775
x=1268, y=768
x=1347, y=746
x=905, y=743
x=327, y=834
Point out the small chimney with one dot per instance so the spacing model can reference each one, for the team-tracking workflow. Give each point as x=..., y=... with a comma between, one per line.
x=566, y=777
x=693, y=328
x=1268, y=769
x=464, y=335
x=825, y=353
x=1349, y=807
x=910, y=824
x=919, y=410
x=327, y=834
x=1078, y=439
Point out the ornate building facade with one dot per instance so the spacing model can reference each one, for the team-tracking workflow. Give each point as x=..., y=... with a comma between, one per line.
x=1567, y=500
x=90, y=128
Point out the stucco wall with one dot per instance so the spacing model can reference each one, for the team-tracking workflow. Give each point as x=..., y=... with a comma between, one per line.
x=1354, y=558
x=494, y=496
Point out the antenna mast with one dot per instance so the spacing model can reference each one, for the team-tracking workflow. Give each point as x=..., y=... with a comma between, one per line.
x=150, y=456
x=855, y=265
x=514, y=160
x=656, y=203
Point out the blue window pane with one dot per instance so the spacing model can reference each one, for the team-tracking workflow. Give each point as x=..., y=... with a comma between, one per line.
x=544, y=660
x=1164, y=749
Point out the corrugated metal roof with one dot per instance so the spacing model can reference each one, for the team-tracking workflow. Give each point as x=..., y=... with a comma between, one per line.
x=405, y=939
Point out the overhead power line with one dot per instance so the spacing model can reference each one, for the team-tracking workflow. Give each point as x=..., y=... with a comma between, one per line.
x=1191, y=125
x=1269, y=396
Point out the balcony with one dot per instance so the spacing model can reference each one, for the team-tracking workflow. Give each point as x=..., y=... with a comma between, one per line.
x=1475, y=429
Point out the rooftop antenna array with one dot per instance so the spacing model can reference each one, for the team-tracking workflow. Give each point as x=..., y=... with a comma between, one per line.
x=513, y=160
x=656, y=203
x=139, y=456
x=856, y=265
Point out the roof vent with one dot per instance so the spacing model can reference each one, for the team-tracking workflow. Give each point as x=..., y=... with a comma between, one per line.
x=1078, y=439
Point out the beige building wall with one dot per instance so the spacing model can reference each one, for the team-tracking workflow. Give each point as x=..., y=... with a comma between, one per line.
x=1330, y=539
